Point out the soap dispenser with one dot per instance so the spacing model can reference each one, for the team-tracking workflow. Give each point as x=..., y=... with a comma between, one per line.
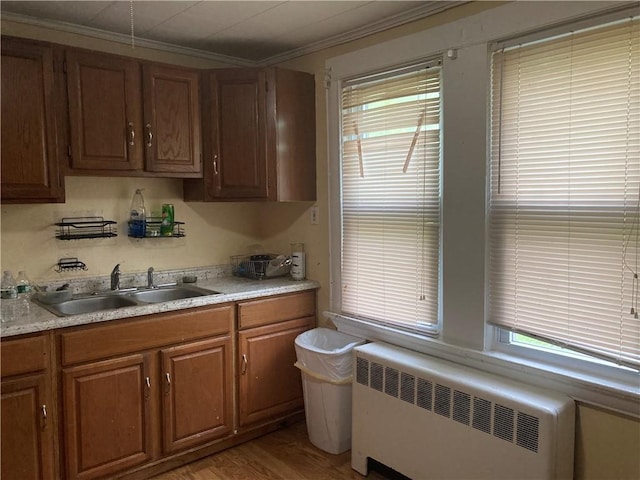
x=137, y=216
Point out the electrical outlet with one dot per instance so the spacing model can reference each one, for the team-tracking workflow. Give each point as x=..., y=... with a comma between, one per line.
x=314, y=215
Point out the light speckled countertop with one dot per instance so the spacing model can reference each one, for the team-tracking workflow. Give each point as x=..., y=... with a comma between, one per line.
x=232, y=289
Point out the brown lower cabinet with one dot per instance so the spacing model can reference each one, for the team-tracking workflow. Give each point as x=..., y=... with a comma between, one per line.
x=197, y=393
x=143, y=395
x=27, y=410
x=269, y=384
x=168, y=387
x=107, y=416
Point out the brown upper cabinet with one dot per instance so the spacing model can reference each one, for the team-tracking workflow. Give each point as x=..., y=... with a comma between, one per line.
x=105, y=112
x=30, y=123
x=68, y=111
x=172, y=120
x=131, y=118
x=259, y=141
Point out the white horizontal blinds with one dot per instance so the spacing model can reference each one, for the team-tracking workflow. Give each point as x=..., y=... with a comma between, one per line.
x=391, y=197
x=565, y=179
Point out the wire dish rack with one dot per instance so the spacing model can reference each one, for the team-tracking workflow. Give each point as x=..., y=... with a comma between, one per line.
x=259, y=267
x=75, y=228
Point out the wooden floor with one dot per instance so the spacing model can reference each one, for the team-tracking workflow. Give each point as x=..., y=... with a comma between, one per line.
x=285, y=454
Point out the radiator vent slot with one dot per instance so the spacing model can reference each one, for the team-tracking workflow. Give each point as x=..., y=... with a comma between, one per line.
x=461, y=407
x=503, y=422
x=407, y=387
x=442, y=405
x=527, y=431
x=425, y=394
x=377, y=376
x=391, y=381
x=362, y=371
x=482, y=414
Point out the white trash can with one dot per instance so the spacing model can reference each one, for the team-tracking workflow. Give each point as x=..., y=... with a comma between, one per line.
x=325, y=360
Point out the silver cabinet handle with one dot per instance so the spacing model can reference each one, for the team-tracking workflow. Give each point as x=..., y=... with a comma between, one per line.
x=148, y=390
x=215, y=164
x=44, y=416
x=245, y=362
x=168, y=377
x=132, y=134
x=149, y=135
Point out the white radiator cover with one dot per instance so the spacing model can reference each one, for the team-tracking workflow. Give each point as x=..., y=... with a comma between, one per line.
x=432, y=419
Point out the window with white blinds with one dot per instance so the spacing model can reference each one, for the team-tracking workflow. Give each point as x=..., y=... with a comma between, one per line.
x=391, y=197
x=565, y=191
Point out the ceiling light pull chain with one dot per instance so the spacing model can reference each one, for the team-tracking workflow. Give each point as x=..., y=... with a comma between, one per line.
x=131, y=12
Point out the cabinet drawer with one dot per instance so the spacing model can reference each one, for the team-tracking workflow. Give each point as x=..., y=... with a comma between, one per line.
x=24, y=355
x=276, y=309
x=147, y=332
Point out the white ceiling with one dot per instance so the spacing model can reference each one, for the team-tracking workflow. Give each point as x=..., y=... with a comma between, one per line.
x=239, y=32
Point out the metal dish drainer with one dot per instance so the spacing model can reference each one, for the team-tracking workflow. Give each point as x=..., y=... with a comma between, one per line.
x=259, y=267
x=76, y=228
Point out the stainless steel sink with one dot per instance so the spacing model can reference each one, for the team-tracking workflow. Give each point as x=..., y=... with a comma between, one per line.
x=167, y=294
x=126, y=298
x=90, y=304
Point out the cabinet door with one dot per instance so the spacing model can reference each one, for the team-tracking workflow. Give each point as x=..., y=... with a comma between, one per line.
x=172, y=120
x=197, y=393
x=291, y=135
x=105, y=112
x=29, y=148
x=106, y=415
x=270, y=386
x=237, y=163
x=27, y=451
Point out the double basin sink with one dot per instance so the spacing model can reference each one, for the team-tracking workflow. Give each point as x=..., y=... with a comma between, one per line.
x=90, y=303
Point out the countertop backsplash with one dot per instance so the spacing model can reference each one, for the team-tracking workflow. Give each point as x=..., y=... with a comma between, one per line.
x=137, y=279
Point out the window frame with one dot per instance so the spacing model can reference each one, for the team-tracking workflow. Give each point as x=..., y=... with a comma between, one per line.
x=466, y=338
x=428, y=329
x=500, y=337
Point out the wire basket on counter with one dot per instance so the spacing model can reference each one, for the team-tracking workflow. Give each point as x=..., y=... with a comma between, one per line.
x=262, y=266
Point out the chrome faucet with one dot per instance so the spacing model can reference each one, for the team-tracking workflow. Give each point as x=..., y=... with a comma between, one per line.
x=150, y=278
x=115, y=277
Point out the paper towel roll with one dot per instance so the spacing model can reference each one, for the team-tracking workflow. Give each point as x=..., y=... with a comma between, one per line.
x=297, y=265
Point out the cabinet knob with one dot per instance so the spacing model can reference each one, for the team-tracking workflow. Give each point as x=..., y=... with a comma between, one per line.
x=149, y=135
x=244, y=364
x=132, y=134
